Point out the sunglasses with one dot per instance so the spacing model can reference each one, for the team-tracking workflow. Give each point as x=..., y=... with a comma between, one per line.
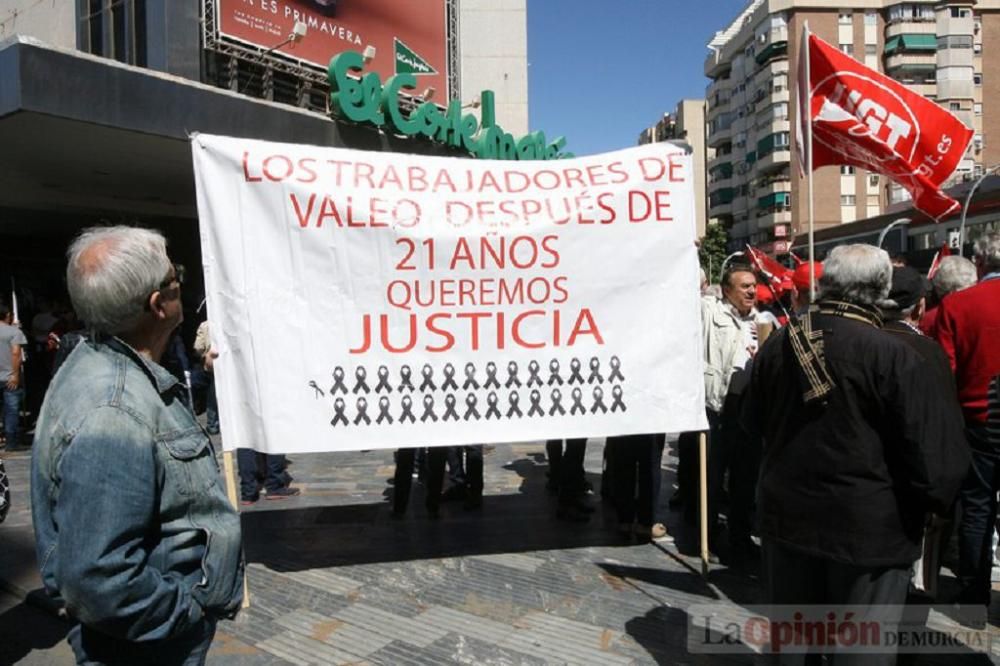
x=177, y=277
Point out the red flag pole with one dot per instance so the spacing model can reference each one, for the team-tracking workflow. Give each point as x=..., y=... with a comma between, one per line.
x=809, y=162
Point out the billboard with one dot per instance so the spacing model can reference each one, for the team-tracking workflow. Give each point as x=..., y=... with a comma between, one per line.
x=407, y=38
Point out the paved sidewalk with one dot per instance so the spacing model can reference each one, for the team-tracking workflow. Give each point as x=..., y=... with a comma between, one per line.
x=335, y=579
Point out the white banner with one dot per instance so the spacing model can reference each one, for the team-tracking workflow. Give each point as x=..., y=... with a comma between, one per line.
x=377, y=300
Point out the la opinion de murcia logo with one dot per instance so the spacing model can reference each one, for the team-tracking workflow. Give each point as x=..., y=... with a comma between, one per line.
x=889, y=119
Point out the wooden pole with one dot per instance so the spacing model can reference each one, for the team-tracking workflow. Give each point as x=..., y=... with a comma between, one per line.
x=230, y=473
x=703, y=499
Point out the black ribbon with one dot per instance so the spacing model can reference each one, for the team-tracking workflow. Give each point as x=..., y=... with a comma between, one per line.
x=383, y=380
x=533, y=369
x=575, y=376
x=362, y=412
x=470, y=404
x=449, y=383
x=556, y=403
x=595, y=372
x=338, y=381
x=319, y=391
x=577, y=407
x=598, y=401
x=512, y=379
x=616, y=393
x=491, y=402
x=428, y=383
x=513, y=399
x=470, y=377
x=536, y=404
x=491, y=376
x=428, y=410
x=339, y=406
x=407, y=413
x=383, y=410
x=554, y=377
x=616, y=370
x=404, y=376
x=361, y=385
x=449, y=412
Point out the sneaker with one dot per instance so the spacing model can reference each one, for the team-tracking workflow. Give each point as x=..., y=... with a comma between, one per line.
x=282, y=493
x=655, y=531
x=247, y=501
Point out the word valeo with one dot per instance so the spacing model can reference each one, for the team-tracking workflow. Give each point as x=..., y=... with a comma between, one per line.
x=364, y=99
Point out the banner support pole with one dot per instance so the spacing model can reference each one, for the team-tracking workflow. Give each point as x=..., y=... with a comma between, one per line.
x=229, y=471
x=703, y=499
x=809, y=166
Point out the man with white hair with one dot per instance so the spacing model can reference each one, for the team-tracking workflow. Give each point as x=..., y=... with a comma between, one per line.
x=968, y=327
x=954, y=273
x=858, y=446
x=133, y=530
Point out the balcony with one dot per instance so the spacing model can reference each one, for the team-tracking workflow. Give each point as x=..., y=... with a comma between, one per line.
x=911, y=61
x=780, y=185
x=720, y=85
x=772, y=51
x=720, y=201
x=910, y=28
x=719, y=137
x=956, y=89
x=769, y=71
x=773, y=125
x=719, y=160
x=716, y=65
x=776, y=159
x=768, y=219
x=955, y=57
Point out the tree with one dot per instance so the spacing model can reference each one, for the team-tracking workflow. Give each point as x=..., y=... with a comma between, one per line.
x=712, y=251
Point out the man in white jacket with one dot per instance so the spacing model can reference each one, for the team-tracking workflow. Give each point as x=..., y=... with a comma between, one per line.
x=729, y=326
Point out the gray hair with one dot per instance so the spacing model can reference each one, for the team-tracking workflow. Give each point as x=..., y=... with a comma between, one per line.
x=953, y=273
x=860, y=274
x=988, y=250
x=111, y=273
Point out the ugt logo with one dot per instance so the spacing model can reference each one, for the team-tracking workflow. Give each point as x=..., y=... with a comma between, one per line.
x=865, y=107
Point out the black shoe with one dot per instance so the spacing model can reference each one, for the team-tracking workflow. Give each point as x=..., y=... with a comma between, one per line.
x=282, y=493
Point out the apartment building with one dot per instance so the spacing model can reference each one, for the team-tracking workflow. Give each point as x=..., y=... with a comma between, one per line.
x=936, y=48
x=686, y=123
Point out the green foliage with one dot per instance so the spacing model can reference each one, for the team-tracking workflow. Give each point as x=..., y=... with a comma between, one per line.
x=713, y=251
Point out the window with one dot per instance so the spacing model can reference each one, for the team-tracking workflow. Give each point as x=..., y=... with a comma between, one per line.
x=845, y=18
x=871, y=18
x=847, y=200
x=113, y=29
x=978, y=108
x=846, y=170
x=977, y=48
x=977, y=79
x=954, y=106
x=954, y=42
x=871, y=49
x=960, y=12
x=847, y=48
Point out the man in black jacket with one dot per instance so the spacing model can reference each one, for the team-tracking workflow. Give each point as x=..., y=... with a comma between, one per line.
x=860, y=443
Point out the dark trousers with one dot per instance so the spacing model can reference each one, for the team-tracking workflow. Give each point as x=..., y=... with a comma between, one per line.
x=637, y=476
x=274, y=475
x=979, y=515
x=403, y=478
x=566, y=466
x=687, y=472
x=731, y=450
x=91, y=647
x=473, y=465
x=795, y=579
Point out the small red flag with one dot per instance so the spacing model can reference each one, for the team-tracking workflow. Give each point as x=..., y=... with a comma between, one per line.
x=776, y=273
x=945, y=251
x=866, y=119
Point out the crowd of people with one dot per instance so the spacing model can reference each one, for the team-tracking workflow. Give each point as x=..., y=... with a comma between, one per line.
x=840, y=431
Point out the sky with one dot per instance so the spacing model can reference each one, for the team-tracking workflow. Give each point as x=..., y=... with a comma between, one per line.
x=601, y=71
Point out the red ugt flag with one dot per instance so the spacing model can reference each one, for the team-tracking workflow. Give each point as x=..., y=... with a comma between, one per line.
x=866, y=119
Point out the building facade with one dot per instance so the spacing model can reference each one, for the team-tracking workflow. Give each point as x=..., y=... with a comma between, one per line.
x=687, y=124
x=936, y=48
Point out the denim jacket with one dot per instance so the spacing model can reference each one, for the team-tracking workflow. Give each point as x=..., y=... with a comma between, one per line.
x=133, y=529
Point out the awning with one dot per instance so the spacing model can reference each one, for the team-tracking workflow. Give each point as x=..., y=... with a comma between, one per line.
x=916, y=42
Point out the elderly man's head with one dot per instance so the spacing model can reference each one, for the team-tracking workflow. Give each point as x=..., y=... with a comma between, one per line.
x=988, y=253
x=954, y=273
x=858, y=274
x=739, y=287
x=117, y=276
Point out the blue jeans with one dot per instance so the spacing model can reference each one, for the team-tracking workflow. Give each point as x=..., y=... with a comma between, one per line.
x=979, y=515
x=11, y=413
x=93, y=648
x=274, y=477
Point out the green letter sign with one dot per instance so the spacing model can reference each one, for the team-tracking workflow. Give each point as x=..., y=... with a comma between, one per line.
x=362, y=98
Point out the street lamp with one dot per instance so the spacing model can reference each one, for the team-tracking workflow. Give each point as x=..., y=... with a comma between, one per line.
x=726, y=261
x=965, y=208
x=901, y=222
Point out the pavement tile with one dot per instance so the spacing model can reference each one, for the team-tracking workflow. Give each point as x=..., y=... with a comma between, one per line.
x=413, y=631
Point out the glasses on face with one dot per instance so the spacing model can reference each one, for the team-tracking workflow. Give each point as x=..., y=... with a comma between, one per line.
x=177, y=276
